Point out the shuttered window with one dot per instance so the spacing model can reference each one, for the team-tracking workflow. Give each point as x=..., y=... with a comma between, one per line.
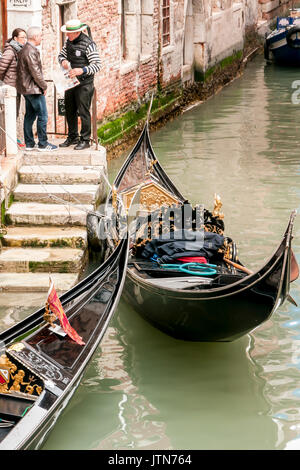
x=166, y=22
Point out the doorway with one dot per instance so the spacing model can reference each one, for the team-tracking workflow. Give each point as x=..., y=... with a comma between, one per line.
x=3, y=23
x=188, y=44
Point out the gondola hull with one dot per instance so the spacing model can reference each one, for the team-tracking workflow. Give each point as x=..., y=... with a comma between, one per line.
x=221, y=308
x=223, y=314
x=282, y=46
x=52, y=362
x=187, y=318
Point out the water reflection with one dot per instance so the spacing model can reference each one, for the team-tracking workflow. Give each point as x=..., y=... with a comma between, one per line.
x=166, y=394
x=138, y=427
x=244, y=145
x=275, y=353
x=146, y=390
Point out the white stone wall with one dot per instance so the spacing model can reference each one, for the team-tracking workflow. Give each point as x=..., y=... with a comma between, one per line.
x=251, y=12
x=213, y=30
x=225, y=33
x=23, y=14
x=8, y=95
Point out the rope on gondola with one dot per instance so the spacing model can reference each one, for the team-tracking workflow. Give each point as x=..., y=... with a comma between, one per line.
x=196, y=269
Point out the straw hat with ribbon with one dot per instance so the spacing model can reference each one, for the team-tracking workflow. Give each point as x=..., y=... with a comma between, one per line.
x=73, y=26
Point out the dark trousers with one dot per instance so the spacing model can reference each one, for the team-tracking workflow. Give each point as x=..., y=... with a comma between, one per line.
x=35, y=106
x=78, y=102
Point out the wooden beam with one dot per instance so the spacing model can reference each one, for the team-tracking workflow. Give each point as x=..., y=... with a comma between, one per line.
x=4, y=21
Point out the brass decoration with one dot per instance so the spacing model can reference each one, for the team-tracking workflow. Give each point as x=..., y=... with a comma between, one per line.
x=213, y=228
x=19, y=380
x=48, y=316
x=227, y=249
x=150, y=170
x=152, y=197
x=5, y=377
x=114, y=197
x=169, y=218
x=217, y=207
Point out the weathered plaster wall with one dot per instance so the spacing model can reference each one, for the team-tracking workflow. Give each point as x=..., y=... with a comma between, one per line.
x=225, y=32
x=251, y=13
x=268, y=9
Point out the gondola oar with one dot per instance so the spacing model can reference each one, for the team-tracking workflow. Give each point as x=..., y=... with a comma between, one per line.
x=238, y=266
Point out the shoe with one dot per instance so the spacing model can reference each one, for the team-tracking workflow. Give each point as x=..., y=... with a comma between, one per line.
x=47, y=148
x=30, y=148
x=83, y=144
x=69, y=142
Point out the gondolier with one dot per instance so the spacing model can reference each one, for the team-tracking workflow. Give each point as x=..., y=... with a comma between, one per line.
x=80, y=56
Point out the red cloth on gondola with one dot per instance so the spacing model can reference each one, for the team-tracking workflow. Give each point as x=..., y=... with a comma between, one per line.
x=193, y=259
x=57, y=308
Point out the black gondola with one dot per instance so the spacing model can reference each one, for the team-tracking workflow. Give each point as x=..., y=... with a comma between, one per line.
x=222, y=306
x=39, y=369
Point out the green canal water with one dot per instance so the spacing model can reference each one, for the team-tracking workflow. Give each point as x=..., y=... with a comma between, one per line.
x=145, y=390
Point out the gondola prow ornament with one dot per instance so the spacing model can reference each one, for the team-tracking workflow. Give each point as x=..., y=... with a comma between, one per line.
x=56, y=307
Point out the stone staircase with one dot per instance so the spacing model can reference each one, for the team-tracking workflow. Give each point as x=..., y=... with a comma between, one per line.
x=46, y=223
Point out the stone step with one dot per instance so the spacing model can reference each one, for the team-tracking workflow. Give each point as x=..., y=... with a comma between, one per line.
x=35, y=282
x=66, y=156
x=30, y=213
x=57, y=174
x=76, y=194
x=16, y=306
x=39, y=237
x=24, y=260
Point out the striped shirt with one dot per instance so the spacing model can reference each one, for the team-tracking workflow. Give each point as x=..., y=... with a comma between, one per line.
x=92, y=56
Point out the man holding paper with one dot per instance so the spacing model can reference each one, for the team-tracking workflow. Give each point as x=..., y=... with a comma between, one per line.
x=79, y=55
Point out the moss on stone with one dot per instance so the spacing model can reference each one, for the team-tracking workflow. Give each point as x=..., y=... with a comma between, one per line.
x=3, y=214
x=50, y=266
x=117, y=128
x=201, y=76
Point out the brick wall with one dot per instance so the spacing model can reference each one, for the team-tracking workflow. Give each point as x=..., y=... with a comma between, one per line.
x=119, y=82
x=147, y=65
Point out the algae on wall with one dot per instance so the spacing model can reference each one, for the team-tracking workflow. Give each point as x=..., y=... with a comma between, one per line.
x=115, y=129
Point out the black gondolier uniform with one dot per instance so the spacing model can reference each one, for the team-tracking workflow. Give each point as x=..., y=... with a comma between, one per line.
x=81, y=53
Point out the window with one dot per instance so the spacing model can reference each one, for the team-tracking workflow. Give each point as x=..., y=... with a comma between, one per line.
x=124, y=8
x=136, y=31
x=166, y=23
x=129, y=31
x=146, y=25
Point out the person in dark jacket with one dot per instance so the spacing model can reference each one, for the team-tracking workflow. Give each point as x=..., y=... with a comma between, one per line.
x=9, y=58
x=31, y=84
x=80, y=56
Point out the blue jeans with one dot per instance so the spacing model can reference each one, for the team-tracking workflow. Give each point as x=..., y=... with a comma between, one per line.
x=35, y=108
